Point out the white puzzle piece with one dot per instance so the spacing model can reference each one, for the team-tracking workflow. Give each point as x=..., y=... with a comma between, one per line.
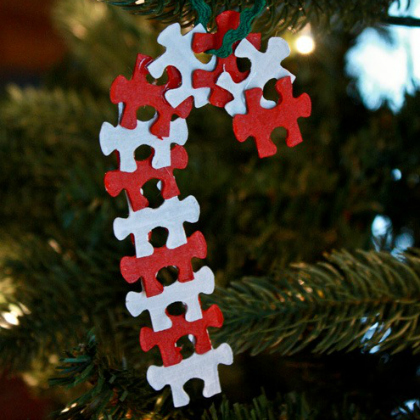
x=126, y=141
x=186, y=293
x=179, y=54
x=201, y=366
x=264, y=67
x=170, y=215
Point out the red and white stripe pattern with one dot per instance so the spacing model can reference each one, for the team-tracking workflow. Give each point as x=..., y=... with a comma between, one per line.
x=190, y=82
x=166, y=155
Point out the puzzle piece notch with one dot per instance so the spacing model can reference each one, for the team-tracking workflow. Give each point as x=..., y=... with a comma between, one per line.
x=204, y=41
x=200, y=366
x=125, y=142
x=138, y=92
x=166, y=340
x=132, y=182
x=264, y=67
x=187, y=293
x=146, y=268
x=179, y=54
x=260, y=122
x=170, y=215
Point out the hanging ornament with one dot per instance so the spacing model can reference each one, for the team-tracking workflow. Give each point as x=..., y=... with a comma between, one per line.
x=220, y=83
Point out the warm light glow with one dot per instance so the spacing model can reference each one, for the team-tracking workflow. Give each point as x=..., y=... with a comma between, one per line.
x=68, y=408
x=10, y=318
x=305, y=44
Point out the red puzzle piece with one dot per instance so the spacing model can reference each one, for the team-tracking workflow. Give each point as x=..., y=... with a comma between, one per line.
x=204, y=42
x=132, y=182
x=138, y=92
x=166, y=339
x=259, y=122
x=133, y=268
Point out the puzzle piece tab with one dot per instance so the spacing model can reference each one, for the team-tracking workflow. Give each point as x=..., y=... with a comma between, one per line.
x=133, y=268
x=132, y=182
x=187, y=293
x=264, y=67
x=166, y=340
x=138, y=92
x=204, y=41
x=179, y=54
x=201, y=366
x=260, y=122
x=125, y=142
x=170, y=215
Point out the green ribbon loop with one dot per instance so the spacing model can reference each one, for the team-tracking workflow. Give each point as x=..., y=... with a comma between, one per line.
x=203, y=11
x=242, y=31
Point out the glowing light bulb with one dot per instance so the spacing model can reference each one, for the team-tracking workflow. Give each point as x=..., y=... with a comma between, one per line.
x=11, y=318
x=305, y=44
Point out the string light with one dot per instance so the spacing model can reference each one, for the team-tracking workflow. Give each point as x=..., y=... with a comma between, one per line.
x=11, y=318
x=305, y=44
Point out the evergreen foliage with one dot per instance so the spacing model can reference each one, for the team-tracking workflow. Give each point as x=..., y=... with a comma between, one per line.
x=118, y=392
x=279, y=16
x=361, y=301
x=336, y=339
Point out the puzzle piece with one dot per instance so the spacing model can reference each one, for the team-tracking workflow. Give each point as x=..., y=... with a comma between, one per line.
x=204, y=41
x=201, y=366
x=186, y=293
x=133, y=268
x=132, y=182
x=166, y=340
x=260, y=122
x=125, y=142
x=264, y=67
x=179, y=54
x=138, y=92
x=170, y=215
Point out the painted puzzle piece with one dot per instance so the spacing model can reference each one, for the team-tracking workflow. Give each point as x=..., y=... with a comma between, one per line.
x=166, y=340
x=264, y=67
x=260, y=122
x=204, y=41
x=187, y=293
x=146, y=268
x=138, y=92
x=132, y=182
x=201, y=366
x=125, y=142
x=170, y=215
x=179, y=54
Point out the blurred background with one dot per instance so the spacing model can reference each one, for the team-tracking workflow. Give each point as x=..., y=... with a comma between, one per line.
x=354, y=183
x=29, y=45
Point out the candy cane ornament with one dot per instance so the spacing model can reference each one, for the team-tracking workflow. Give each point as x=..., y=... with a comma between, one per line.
x=190, y=82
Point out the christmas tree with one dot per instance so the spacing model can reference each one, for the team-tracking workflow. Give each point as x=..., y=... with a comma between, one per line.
x=321, y=316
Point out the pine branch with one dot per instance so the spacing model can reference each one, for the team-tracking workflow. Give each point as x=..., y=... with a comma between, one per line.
x=58, y=287
x=351, y=301
x=280, y=15
x=102, y=40
x=73, y=115
x=291, y=406
x=403, y=21
x=46, y=147
x=110, y=389
x=113, y=390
